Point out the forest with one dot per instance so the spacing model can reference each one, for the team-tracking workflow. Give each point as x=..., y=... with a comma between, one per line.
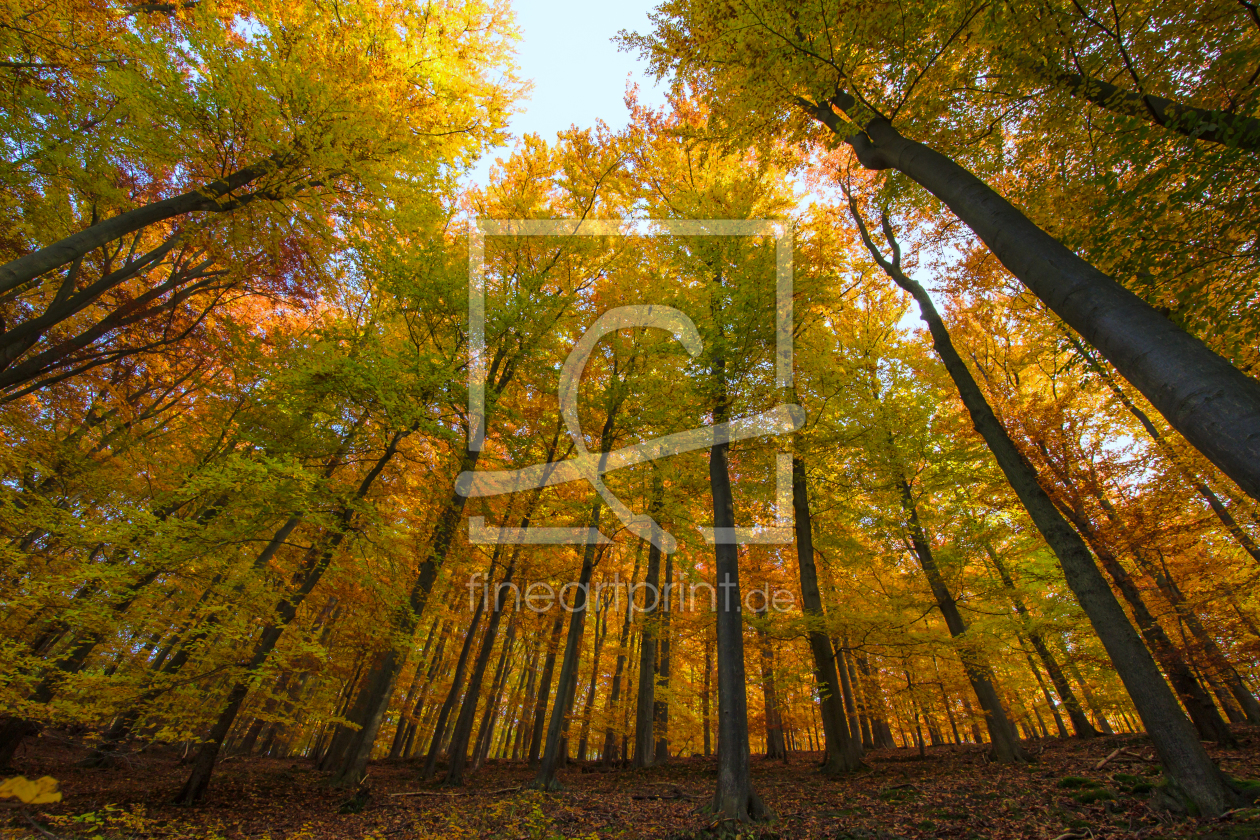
x=863, y=444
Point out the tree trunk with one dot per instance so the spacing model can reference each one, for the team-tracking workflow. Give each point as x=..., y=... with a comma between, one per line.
x=567, y=685
x=842, y=754
x=544, y=689
x=733, y=798
x=457, y=753
x=1207, y=720
x=1214, y=502
x=1215, y=406
x=775, y=746
x=1187, y=764
x=1080, y=723
x=660, y=705
x=1002, y=734
x=588, y=708
x=644, y=743
x=312, y=570
x=1215, y=126
x=457, y=681
x=705, y=720
x=486, y=731
x=609, y=753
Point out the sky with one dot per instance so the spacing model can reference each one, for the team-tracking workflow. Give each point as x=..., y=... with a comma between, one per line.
x=579, y=74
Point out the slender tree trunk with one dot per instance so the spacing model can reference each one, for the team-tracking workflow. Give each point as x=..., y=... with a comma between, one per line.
x=313, y=569
x=588, y=708
x=1214, y=502
x=733, y=798
x=544, y=689
x=846, y=688
x=457, y=681
x=775, y=746
x=644, y=743
x=1080, y=723
x=660, y=704
x=486, y=730
x=546, y=777
x=609, y=753
x=842, y=753
x=1005, y=740
x=1045, y=692
x=704, y=698
x=1207, y=720
x=457, y=753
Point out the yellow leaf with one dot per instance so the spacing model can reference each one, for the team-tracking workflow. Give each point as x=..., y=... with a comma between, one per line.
x=38, y=792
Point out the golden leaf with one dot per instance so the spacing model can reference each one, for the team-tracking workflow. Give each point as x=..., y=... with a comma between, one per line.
x=38, y=792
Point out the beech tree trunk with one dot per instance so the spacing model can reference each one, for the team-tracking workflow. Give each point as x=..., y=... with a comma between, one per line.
x=1215, y=126
x=733, y=798
x=1214, y=405
x=776, y=748
x=1002, y=733
x=544, y=689
x=644, y=743
x=610, y=752
x=842, y=753
x=1080, y=723
x=660, y=705
x=457, y=753
x=457, y=681
x=546, y=777
x=1191, y=771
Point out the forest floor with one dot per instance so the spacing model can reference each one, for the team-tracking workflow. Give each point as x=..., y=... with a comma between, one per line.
x=951, y=792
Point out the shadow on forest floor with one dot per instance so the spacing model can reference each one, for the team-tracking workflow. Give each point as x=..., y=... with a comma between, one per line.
x=953, y=792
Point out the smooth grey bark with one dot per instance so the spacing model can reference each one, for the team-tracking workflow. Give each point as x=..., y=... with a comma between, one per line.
x=1215, y=406
x=841, y=752
x=1190, y=770
x=733, y=798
